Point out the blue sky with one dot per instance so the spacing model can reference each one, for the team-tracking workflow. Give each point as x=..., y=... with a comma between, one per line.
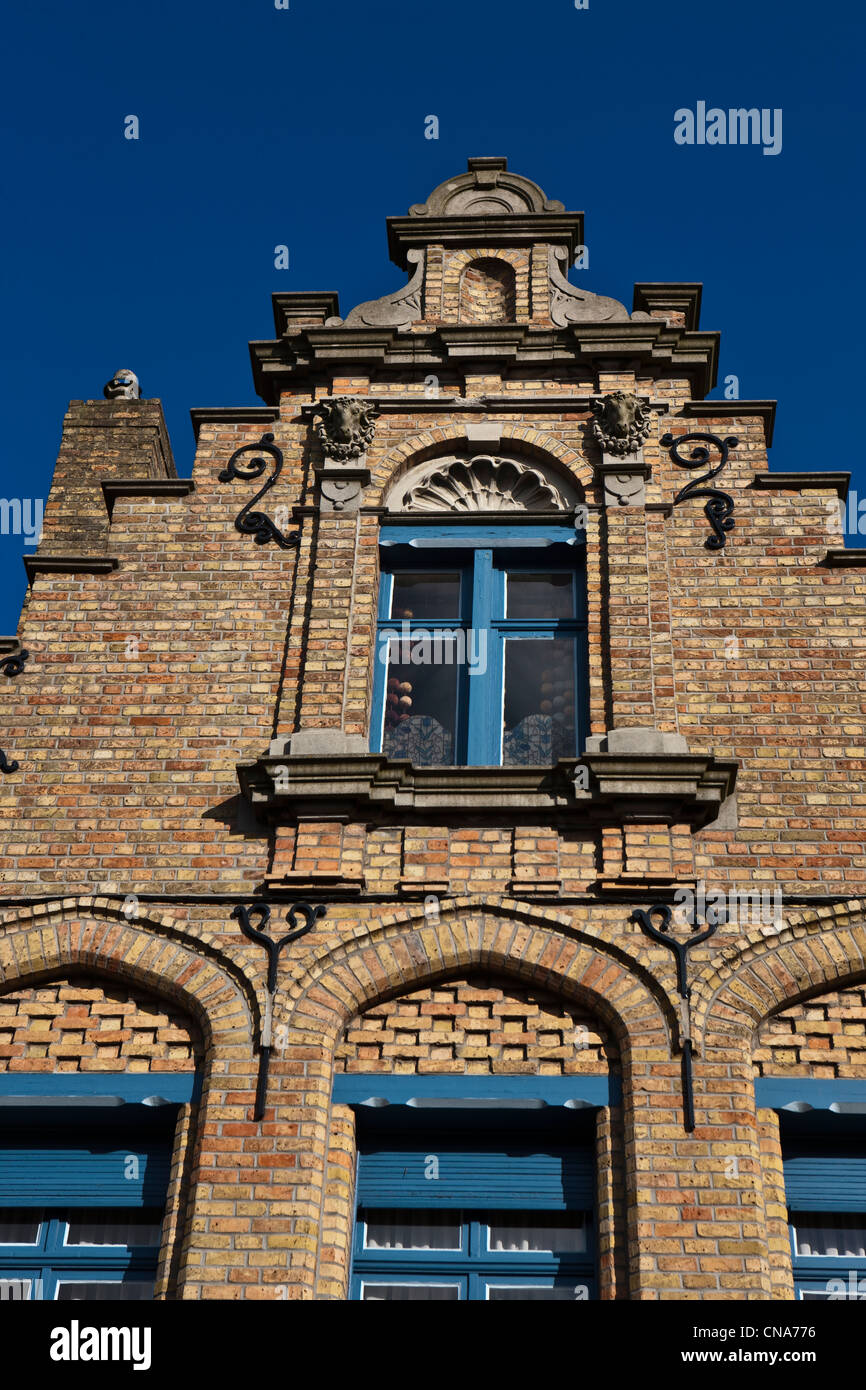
x=305, y=127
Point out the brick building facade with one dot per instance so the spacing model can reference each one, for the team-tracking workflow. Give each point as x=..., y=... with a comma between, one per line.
x=307, y=678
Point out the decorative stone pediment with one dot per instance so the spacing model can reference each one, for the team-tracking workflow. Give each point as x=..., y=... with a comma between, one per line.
x=398, y=310
x=483, y=484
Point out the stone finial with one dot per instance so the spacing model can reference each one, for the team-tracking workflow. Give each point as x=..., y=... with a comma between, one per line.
x=621, y=424
x=123, y=386
x=346, y=427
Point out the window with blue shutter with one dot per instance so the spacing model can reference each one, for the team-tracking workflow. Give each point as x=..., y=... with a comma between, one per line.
x=825, y=1188
x=82, y=1199
x=481, y=645
x=483, y=1206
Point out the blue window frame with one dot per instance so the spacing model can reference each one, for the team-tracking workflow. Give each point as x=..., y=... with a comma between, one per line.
x=825, y=1187
x=470, y=1209
x=76, y=1254
x=82, y=1194
x=481, y=646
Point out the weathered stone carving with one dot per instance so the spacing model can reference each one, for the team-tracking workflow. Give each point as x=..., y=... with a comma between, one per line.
x=398, y=310
x=621, y=424
x=346, y=427
x=123, y=386
x=571, y=305
x=484, y=484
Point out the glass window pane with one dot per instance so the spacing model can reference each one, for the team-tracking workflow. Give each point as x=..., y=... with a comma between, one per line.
x=539, y=701
x=422, y=596
x=20, y=1227
x=412, y=1230
x=19, y=1290
x=509, y=1231
x=549, y=595
x=526, y=1293
x=409, y=1293
x=421, y=700
x=104, y=1291
x=837, y=1235
x=105, y=1227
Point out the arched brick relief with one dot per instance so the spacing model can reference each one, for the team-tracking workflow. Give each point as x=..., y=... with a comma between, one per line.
x=60, y=941
x=405, y=954
x=453, y=279
x=816, y=951
x=154, y=951
x=487, y=292
x=537, y=446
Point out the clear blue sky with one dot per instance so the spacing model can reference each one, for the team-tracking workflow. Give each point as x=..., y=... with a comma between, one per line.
x=305, y=126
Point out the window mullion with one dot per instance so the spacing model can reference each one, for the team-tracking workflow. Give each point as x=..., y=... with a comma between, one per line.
x=483, y=725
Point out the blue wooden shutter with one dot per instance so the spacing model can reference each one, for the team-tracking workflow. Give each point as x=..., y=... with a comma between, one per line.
x=827, y=1176
x=482, y=1171
x=84, y=1166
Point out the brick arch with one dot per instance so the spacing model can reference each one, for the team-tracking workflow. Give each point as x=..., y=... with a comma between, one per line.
x=407, y=951
x=456, y=263
x=817, y=949
x=151, y=954
x=533, y=444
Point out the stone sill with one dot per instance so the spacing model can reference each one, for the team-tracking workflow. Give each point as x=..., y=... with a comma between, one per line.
x=598, y=789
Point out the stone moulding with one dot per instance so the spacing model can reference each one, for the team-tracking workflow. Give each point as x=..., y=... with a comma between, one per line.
x=483, y=484
x=600, y=788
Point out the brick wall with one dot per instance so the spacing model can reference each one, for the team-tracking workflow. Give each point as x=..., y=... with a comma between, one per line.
x=487, y=293
x=81, y=1024
x=822, y=1037
x=476, y=1027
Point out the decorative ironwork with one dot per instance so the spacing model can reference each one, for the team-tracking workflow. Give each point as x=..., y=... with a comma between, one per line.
x=5, y=765
x=272, y=948
x=719, y=507
x=680, y=950
x=13, y=664
x=248, y=522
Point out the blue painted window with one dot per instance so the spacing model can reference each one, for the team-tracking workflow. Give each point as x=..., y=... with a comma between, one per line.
x=471, y=1210
x=481, y=646
x=82, y=1199
x=825, y=1186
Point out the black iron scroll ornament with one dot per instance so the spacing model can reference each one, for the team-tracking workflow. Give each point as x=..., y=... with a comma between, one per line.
x=248, y=522
x=13, y=664
x=273, y=947
x=7, y=766
x=680, y=950
x=719, y=506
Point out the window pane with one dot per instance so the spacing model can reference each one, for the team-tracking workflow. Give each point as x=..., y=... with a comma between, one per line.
x=20, y=1227
x=18, y=1290
x=526, y=1293
x=508, y=1231
x=412, y=1230
x=539, y=701
x=423, y=596
x=105, y=1227
x=837, y=1235
x=406, y=1293
x=421, y=700
x=104, y=1291
x=549, y=595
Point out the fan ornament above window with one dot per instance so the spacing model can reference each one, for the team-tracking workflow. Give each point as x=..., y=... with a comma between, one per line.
x=484, y=484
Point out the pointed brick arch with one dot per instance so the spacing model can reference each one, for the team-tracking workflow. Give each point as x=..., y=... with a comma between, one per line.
x=825, y=946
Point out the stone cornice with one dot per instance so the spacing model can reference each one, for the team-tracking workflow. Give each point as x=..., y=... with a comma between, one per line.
x=732, y=410
x=798, y=482
x=233, y=415
x=600, y=788
x=113, y=488
x=513, y=229
x=683, y=297
x=851, y=558
x=284, y=364
x=68, y=564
